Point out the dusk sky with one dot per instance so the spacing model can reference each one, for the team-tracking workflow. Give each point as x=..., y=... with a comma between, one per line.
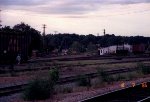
x=119, y=17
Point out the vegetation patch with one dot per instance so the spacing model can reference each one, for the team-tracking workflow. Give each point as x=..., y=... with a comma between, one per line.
x=40, y=89
x=144, y=69
x=84, y=81
x=67, y=90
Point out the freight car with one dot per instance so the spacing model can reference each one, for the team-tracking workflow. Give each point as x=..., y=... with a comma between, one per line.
x=12, y=44
x=138, y=48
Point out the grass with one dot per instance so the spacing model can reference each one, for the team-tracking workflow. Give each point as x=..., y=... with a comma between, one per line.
x=104, y=77
x=142, y=68
x=82, y=62
x=42, y=85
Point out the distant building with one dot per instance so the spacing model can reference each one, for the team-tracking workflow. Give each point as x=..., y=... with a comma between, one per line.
x=64, y=52
x=103, y=51
x=54, y=52
x=115, y=49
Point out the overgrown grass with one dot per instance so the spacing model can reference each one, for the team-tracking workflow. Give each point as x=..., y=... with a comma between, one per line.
x=54, y=74
x=83, y=81
x=67, y=90
x=40, y=89
x=142, y=68
x=82, y=62
x=104, y=77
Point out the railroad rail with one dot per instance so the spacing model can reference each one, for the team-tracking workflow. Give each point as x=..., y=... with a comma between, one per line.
x=60, y=65
x=85, y=58
x=4, y=91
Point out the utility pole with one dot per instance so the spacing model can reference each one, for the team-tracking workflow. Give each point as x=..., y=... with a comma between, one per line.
x=104, y=32
x=0, y=18
x=44, y=27
x=55, y=32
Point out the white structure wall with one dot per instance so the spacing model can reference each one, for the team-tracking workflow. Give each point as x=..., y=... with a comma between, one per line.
x=113, y=49
x=103, y=51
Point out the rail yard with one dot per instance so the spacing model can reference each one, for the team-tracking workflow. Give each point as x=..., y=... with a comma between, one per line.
x=70, y=71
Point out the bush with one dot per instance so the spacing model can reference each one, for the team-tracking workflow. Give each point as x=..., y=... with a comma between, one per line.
x=84, y=81
x=54, y=75
x=102, y=74
x=67, y=90
x=133, y=75
x=38, y=89
x=120, y=77
x=144, y=69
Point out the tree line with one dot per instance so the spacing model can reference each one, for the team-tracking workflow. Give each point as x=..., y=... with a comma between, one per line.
x=80, y=43
x=89, y=42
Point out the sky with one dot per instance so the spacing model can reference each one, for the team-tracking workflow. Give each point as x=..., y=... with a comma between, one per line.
x=119, y=17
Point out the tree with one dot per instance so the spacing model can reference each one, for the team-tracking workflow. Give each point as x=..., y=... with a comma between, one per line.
x=35, y=36
x=91, y=47
x=76, y=46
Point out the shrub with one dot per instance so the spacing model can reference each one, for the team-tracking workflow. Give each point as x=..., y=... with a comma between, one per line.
x=102, y=74
x=67, y=90
x=54, y=75
x=120, y=77
x=84, y=81
x=133, y=75
x=38, y=89
x=144, y=69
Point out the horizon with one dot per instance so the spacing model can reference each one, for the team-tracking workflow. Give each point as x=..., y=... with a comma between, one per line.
x=119, y=17
x=76, y=33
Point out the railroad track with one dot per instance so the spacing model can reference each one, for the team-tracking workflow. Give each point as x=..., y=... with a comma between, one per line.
x=85, y=58
x=60, y=65
x=4, y=91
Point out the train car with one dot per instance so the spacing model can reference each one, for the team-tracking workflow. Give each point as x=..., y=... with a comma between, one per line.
x=138, y=48
x=12, y=44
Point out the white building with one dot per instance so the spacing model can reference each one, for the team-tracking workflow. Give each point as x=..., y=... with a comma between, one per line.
x=103, y=51
x=125, y=47
x=114, y=48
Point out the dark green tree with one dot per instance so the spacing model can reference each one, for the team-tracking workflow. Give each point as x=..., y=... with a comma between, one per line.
x=35, y=37
x=76, y=46
x=91, y=47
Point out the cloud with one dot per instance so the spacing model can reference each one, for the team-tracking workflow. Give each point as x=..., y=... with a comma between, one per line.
x=20, y=2
x=75, y=2
x=62, y=6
